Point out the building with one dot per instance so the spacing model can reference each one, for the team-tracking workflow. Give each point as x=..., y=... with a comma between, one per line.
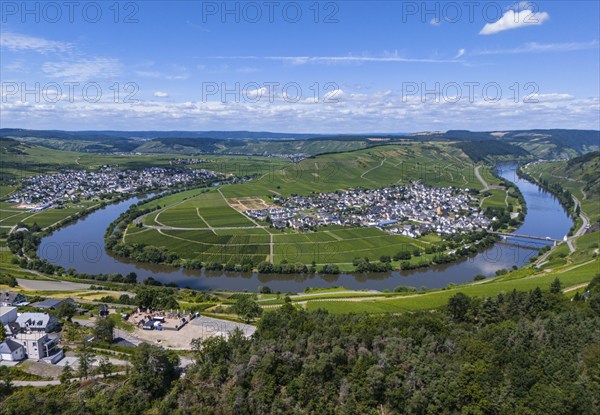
x=103, y=310
x=8, y=298
x=11, y=329
x=39, y=345
x=37, y=322
x=8, y=315
x=53, y=303
x=11, y=351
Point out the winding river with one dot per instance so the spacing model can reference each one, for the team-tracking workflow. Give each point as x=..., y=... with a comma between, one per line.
x=81, y=246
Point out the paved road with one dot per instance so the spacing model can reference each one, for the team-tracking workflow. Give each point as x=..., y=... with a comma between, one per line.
x=584, y=217
x=483, y=182
x=51, y=285
x=42, y=383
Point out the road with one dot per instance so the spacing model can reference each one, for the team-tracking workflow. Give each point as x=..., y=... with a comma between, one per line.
x=483, y=182
x=584, y=218
x=174, y=228
x=51, y=285
x=42, y=383
x=582, y=229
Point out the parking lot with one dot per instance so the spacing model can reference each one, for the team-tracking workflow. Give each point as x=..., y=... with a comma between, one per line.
x=199, y=328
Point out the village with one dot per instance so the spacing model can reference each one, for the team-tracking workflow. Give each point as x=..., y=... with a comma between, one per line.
x=410, y=210
x=33, y=331
x=46, y=191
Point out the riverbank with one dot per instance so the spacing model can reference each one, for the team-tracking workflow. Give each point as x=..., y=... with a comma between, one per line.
x=503, y=255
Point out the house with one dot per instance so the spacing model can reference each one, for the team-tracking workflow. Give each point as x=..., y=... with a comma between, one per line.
x=103, y=310
x=8, y=298
x=37, y=322
x=39, y=345
x=11, y=351
x=11, y=329
x=53, y=303
x=8, y=315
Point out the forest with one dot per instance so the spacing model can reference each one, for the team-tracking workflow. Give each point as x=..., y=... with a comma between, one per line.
x=535, y=352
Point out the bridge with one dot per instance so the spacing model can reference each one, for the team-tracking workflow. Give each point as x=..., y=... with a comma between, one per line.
x=536, y=238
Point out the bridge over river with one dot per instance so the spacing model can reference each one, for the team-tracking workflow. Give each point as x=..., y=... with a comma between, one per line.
x=537, y=238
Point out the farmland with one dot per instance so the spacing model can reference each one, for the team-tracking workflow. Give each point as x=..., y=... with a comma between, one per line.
x=210, y=225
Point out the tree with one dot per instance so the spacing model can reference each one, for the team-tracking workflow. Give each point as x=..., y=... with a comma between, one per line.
x=85, y=357
x=556, y=286
x=66, y=310
x=154, y=368
x=264, y=289
x=2, y=332
x=66, y=375
x=247, y=308
x=104, y=329
x=458, y=306
x=131, y=278
x=105, y=367
x=7, y=377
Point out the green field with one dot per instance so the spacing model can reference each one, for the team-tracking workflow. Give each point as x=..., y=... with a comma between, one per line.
x=435, y=164
x=209, y=225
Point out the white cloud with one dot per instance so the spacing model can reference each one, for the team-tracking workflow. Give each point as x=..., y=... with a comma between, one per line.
x=83, y=69
x=515, y=20
x=382, y=111
x=161, y=94
x=460, y=53
x=17, y=42
x=533, y=47
x=247, y=69
x=435, y=21
x=553, y=97
x=161, y=75
x=303, y=60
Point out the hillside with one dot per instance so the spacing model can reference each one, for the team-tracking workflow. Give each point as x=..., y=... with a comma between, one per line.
x=484, y=150
x=580, y=176
x=532, y=352
x=533, y=144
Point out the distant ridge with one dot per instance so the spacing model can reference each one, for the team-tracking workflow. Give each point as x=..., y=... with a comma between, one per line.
x=535, y=143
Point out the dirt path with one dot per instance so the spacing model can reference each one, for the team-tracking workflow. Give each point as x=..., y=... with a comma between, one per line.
x=575, y=287
x=204, y=220
x=236, y=209
x=371, y=169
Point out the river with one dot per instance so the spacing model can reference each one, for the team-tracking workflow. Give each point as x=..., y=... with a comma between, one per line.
x=81, y=246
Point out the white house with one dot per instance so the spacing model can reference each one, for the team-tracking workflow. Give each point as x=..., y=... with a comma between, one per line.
x=38, y=322
x=38, y=345
x=11, y=351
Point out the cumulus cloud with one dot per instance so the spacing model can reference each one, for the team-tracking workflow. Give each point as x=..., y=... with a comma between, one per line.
x=514, y=20
x=552, y=97
x=161, y=94
x=382, y=111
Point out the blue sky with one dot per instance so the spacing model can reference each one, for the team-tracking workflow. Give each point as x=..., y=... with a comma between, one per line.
x=340, y=67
